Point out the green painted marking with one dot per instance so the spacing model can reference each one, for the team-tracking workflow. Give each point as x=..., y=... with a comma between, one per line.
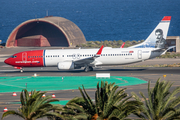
x=61, y=102
x=47, y=83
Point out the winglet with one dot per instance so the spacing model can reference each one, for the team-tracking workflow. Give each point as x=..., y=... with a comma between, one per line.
x=166, y=18
x=122, y=45
x=99, y=51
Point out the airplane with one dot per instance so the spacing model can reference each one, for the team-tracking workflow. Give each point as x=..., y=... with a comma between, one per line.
x=68, y=59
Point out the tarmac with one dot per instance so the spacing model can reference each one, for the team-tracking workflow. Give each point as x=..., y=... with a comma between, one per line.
x=144, y=73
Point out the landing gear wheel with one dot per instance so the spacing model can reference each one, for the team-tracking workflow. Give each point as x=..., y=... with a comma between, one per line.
x=90, y=68
x=86, y=69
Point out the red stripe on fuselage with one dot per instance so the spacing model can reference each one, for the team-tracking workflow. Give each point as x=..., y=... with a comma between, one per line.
x=27, y=59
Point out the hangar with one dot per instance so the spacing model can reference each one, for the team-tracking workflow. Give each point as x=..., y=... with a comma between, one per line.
x=48, y=31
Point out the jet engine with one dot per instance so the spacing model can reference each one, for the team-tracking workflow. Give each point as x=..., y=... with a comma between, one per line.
x=65, y=65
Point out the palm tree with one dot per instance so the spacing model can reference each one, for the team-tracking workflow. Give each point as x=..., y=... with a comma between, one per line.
x=34, y=106
x=109, y=104
x=161, y=104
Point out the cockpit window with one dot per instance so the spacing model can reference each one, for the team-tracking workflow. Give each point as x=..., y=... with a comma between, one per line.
x=14, y=56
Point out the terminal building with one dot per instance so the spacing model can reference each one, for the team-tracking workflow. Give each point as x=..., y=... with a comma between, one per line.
x=48, y=31
x=173, y=41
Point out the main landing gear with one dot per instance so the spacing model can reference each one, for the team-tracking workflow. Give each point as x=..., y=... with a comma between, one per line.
x=88, y=68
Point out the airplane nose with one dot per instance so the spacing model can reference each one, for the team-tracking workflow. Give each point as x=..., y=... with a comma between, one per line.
x=6, y=61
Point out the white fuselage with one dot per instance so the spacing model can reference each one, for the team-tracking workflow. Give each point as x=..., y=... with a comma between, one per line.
x=109, y=56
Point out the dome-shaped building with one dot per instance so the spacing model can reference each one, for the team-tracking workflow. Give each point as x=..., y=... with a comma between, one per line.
x=48, y=31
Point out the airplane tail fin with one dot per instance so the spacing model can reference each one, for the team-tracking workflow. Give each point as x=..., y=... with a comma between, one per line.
x=157, y=38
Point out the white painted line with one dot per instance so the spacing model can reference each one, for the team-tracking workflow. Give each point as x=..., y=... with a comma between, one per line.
x=5, y=55
x=121, y=80
x=12, y=85
x=6, y=66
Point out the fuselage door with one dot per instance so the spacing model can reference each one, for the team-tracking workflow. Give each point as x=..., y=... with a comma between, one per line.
x=139, y=54
x=24, y=56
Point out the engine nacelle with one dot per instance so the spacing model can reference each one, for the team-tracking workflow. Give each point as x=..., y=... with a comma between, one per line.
x=65, y=65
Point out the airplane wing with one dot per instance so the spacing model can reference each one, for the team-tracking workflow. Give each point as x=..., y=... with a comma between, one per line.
x=87, y=61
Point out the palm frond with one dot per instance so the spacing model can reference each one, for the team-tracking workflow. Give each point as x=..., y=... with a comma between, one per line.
x=12, y=112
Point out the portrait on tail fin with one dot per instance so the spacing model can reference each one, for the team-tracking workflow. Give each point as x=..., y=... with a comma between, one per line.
x=160, y=41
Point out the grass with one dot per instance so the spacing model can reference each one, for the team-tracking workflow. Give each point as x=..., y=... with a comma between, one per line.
x=106, y=43
x=170, y=55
